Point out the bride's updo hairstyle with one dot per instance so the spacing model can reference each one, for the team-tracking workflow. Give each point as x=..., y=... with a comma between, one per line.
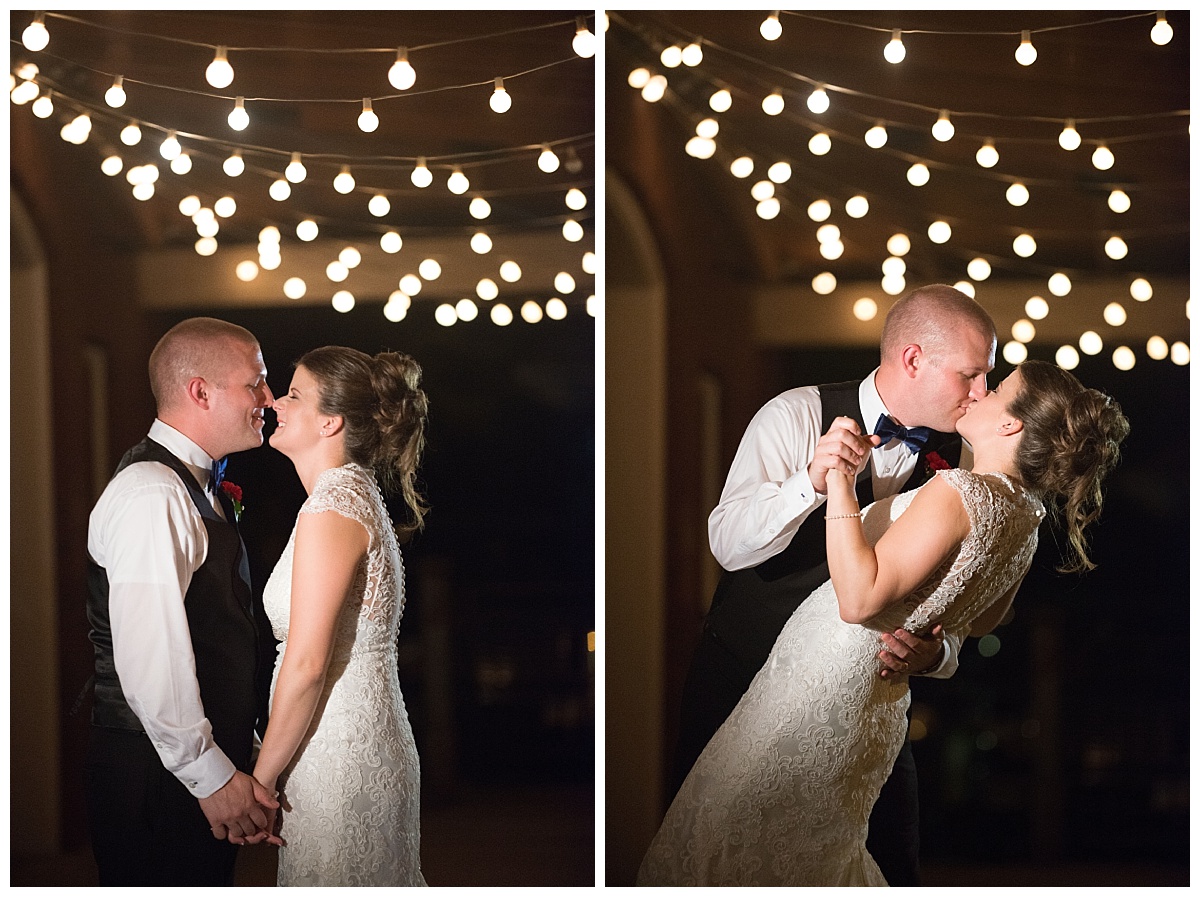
x=1071, y=440
x=383, y=408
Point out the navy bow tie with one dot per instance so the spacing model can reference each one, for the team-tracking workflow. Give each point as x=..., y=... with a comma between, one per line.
x=915, y=437
x=217, y=475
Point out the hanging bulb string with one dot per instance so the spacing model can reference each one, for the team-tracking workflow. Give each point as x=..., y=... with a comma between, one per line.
x=1016, y=33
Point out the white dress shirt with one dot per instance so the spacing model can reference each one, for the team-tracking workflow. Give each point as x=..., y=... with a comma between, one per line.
x=768, y=493
x=147, y=535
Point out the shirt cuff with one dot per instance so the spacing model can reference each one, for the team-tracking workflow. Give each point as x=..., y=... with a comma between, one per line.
x=207, y=774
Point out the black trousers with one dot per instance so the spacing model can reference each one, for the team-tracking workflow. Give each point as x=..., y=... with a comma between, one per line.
x=716, y=682
x=146, y=828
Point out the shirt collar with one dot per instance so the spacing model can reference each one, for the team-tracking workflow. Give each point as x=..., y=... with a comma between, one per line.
x=198, y=461
x=869, y=401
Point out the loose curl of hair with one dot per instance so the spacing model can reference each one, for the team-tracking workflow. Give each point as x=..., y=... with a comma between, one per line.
x=383, y=410
x=1071, y=441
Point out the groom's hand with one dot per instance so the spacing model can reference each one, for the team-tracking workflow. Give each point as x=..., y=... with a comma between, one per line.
x=907, y=654
x=843, y=449
x=237, y=809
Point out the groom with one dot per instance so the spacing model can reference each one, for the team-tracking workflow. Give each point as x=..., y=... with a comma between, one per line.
x=768, y=531
x=176, y=642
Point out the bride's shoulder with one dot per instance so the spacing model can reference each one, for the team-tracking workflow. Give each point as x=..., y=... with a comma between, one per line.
x=348, y=484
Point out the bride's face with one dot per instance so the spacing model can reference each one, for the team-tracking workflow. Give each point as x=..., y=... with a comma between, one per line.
x=990, y=413
x=298, y=423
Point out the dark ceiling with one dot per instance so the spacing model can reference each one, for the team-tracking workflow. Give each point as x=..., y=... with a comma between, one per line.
x=1098, y=67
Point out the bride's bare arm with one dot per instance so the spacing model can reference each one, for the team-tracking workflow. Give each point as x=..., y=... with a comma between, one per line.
x=326, y=554
x=868, y=579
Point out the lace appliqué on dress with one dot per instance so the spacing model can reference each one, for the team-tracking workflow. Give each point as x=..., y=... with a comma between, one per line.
x=782, y=793
x=351, y=795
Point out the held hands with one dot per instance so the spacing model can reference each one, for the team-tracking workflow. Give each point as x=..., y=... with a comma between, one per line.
x=905, y=653
x=843, y=450
x=242, y=810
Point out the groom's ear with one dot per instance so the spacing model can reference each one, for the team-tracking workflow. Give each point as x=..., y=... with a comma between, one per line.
x=198, y=391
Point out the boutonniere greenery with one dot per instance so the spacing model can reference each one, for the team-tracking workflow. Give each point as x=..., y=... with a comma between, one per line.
x=234, y=491
x=934, y=462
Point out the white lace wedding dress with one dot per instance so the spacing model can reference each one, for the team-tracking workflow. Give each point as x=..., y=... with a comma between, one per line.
x=352, y=793
x=782, y=793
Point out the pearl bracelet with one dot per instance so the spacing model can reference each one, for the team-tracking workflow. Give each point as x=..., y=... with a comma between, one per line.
x=841, y=516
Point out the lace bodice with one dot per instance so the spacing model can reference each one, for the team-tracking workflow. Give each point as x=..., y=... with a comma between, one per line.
x=352, y=792
x=782, y=793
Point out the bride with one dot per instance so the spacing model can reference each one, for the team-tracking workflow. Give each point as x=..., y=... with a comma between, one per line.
x=338, y=745
x=782, y=792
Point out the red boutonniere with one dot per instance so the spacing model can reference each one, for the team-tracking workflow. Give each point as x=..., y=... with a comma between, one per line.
x=934, y=462
x=234, y=491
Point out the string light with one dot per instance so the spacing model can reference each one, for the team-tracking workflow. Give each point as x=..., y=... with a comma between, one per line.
x=206, y=246
x=1090, y=342
x=24, y=92
x=828, y=233
x=531, y=312
x=143, y=192
x=246, y=271
x=584, y=42
x=978, y=269
x=1059, y=284
x=397, y=306
x=343, y=301
x=410, y=284
x=1015, y=352
x=773, y=103
x=112, y=165
x=943, y=129
x=481, y=243
x=486, y=289
x=337, y=271
x=1114, y=314
x=1069, y=139
x=43, y=106
x=655, y=89
x=1102, y=158
x=169, y=148
x=876, y=136
x=35, y=37
x=181, y=164
x=219, y=72
x=1026, y=54
x=898, y=244
x=556, y=309
x=294, y=288
x=500, y=101
x=857, y=206
x=429, y=269
x=720, y=101
x=818, y=100
x=466, y=310
x=1066, y=358
x=819, y=144
x=1037, y=307
x=741, y=167
x=421, y=176
x=939, y=232
x=779, y=173
x=701, y=147
x=510, y=272
x=189, y=206
x=692, y=55
x=391, y=242
x=1157, y=348
x=572, y=231
x=893, y=286
x=279, y=190
x=344, y=182
x=295, y=171
x=1161, y=33
x=115, y=95
x=379, y=205
x=1017, y=194
x=1180, y=353
x=708, y=128
x=576, y=199
x=589, y=262
x=131, y=134
x=564, y=282
x=824, y=283
x=1024, y=245
x=501, y=315
x=832, y=249
x=307, y=230
x=402, y=75
x=239, y=118
x=894, y=52
x=770, y=28
x=548, y=161
x=1115, y=248
x=234, y=165
x=987, y=156
x=368, y=121
x=1118, y=201
x=1023, y=331
x=479, y=208
x=918, y=175
x=1141, y=290
x=819, y=210
x=1123, y=358
x=768, y=208
x=865, y=309
x=445, y=315
x=639, y=78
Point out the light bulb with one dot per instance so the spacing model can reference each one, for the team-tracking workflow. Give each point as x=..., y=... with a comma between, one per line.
x=939, y=232
x=294, y=288
x=112, y=165
x=918, y=175
x=768, y=208
x=206, y=246
x=35, y=36
x=701, y=147
x=429, y=269
x=479, y=208
x=1123, y=358
x=24, y=92
x=707, y=127
x=857, y=206
x=1157, y=348
x=584, y=42
x=1181, y=354
x=1015, y=352
x=1102, y=158
x=401, y=74
x=1066, y=358
x=1037, y=307
x=832, y=249
x=965, y=287
x=720, y=101
x=239, y=118
x=672, y=56
x=818, y=101
x=978, y=269
x=564, y=282
x=457, y=183
x=486, y=289
x=410, y=284
x=131, y=135
x=876, y=136
x=280, y=190
x=28, y=72
x=693, y=55
x=588, y=263
x=1161, y=33
x=894, y=51
x=572, y=231
x=548, y=161
x=481, y=243
x=350, y=257
x=268, y=236
x=819, y=210
x=115, y=95
x=181, y=164
x=391, y=242
x=343, y=301
x=344, y=182
x=445, y=315
x=144, y=191
x=43, y=106
x=510, y=272
x=824, y=283
x=1024, y=245
x=169, y=148
x=307, y=230
x=208, y=228
x=639, y=78
x=1141, y=290
x=295, y=172
x=655, y=89
x=780, y=172
x=1069, y=138
x=827, y=233
x=379, y=205
x=246, y=271
x=501, y=315
x=899, y=244
x=1114, y=314
x=1017, y=194
x=189, y=206
x=943, y=129
x=987, y=155
x=773, y=104
x=368, y=121
x=762, y=190
x=336, y=271
x=893, y=286
x=556, y=309
x=531, y=312
x=1059, y=284
x=234, y=165
x=466, y=310
x=865, y=309
x=1115, y=248
x=576, y=199
x=770, y=28
x=1118, y=201
x=819, y=144
x=1026, y=54
x=500, y=101
x=421, y=176
x=219, y=72
x=741, y=167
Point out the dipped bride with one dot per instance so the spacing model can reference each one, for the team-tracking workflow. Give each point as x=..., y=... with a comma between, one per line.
x=339, y=747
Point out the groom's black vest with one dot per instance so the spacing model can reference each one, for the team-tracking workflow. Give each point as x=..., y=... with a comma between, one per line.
x=220, y=618
x=750, y=606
